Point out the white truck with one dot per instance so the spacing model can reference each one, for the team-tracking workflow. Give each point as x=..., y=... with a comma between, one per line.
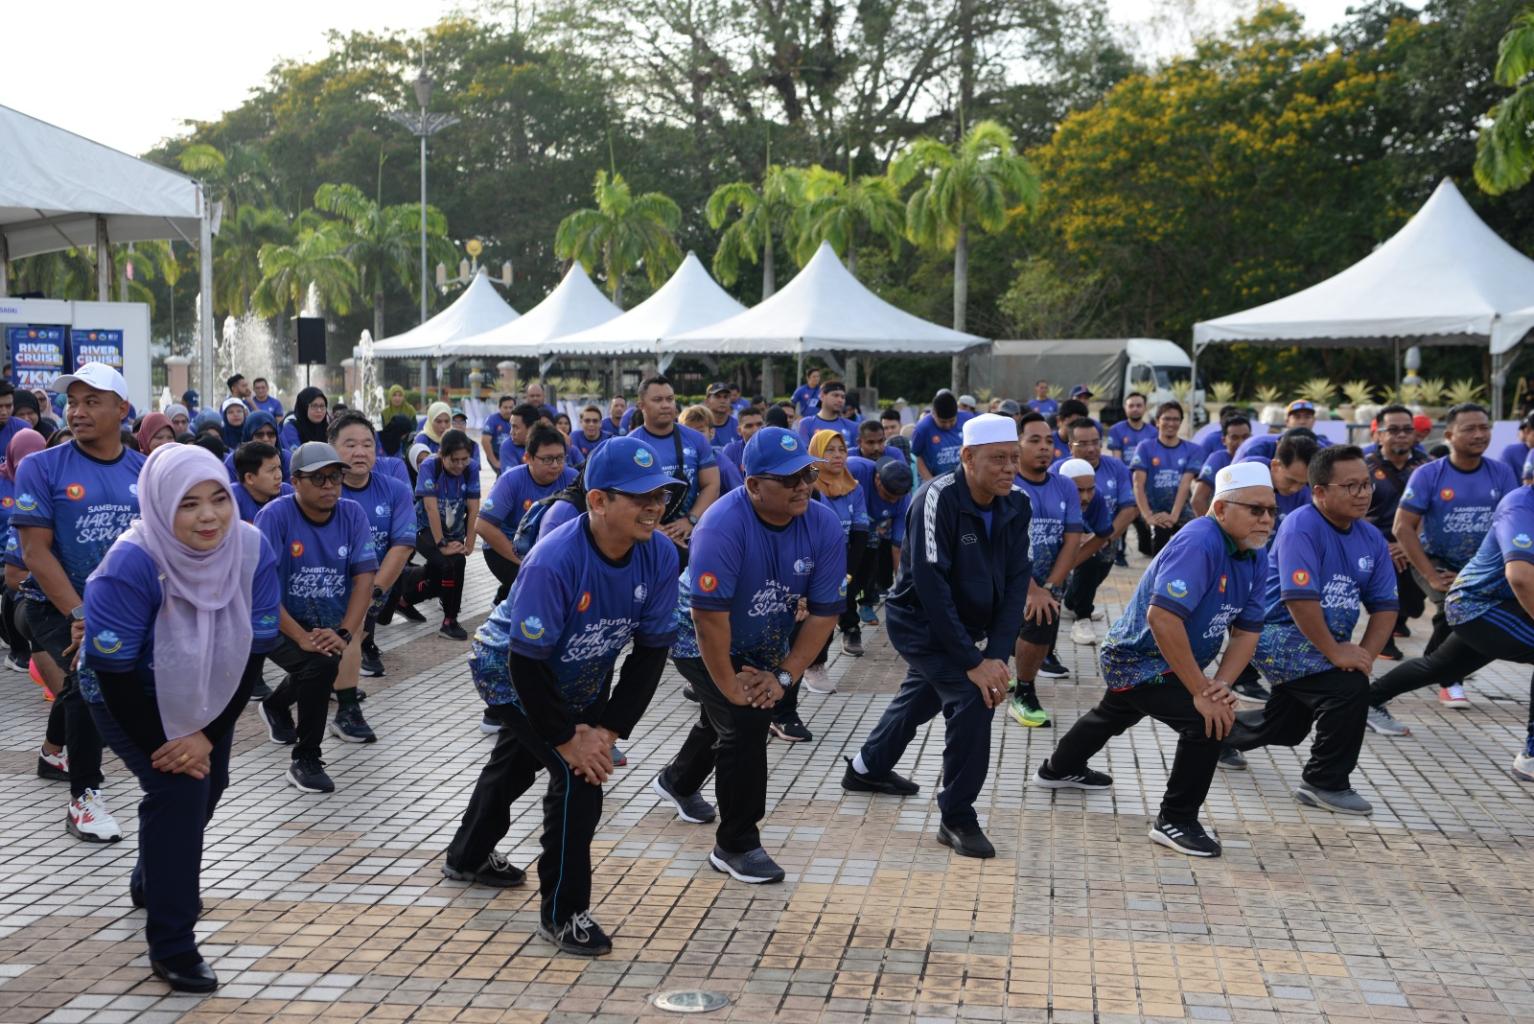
x=1111, y=367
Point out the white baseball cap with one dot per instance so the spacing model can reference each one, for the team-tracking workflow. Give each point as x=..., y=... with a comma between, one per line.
x=94, y=375
x=989, y=428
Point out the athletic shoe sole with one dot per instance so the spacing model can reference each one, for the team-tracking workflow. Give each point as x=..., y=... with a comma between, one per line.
x=1455, y=705
x=345, y=737
x=1246, y=698
x=271, y=728
x=1017, y=717
x=720, y=864
x=1052, y=674
x=302, y=788
x=78, y=833
x=1161, y=839
x=1310, y=800
x=489, y=730
x=571, y=948
x=472, y=877
x=1043, y=783
x=784, y=736
x=660, y=791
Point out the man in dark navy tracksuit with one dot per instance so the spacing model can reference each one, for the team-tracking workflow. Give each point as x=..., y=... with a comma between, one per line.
x=954, y=616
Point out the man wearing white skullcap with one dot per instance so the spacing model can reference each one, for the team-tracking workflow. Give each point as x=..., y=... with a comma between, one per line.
x=953, y=615
x=1207, y=581
x=1093, y=559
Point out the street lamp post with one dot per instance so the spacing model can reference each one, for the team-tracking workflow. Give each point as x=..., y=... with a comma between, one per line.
x=423, y=125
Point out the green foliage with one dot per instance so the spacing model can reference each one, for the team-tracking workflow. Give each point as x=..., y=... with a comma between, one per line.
x=623, y=233
x=842, y=211
x=1505, y=151
x=316, y=259
x=757, y=216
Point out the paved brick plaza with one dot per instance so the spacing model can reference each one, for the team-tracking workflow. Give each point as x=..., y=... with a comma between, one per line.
x=332, y=908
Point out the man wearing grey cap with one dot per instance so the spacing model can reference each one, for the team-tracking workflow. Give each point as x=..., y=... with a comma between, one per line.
x=325, y=567
x=954, y=615
x=726, y=428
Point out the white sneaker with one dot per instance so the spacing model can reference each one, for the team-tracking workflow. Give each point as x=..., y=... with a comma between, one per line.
x=1098, y=615
x=1082, y=633
x=1453, y=696
x=817, y=680
x=1523, y=768
x=90, y=820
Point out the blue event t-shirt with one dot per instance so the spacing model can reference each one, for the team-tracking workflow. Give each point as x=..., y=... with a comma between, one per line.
x=1217, y=460
x=1097, y=517
x=282, y=457
x=514, y=493
x=316, y=561
x=390, y=510
x=269, y=404
x=1044, y=406
x=1164, y=467
x=758, y=573
x=559, y=513
x=124, y=602
x=886, y=519
x=1515, y=455
x=812, y=425
x=1056, y=513
x=248, y=505
x=1456, y=506
x=697, y=455
x=938, y=447
x=1124, y=439
x=453, y=493
x=583, y=446
x=851, y=509
x=511, y=454
x=725, y=432
x=1482, y=584
x=1265, y=446
x=13, y=549
x=1312, y=560
x=730, y=476
x=1203, y=578
x=576, y=609
x=86, y=502
x=497, y=428
x=7, y=503
x=1114, y=485
x=806, y=399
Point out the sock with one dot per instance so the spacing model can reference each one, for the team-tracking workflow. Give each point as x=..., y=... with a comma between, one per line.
x=859, y=765
x=1024, y=688
x=346, y=697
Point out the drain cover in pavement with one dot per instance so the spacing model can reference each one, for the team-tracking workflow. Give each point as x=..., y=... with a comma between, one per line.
x=690, y=1000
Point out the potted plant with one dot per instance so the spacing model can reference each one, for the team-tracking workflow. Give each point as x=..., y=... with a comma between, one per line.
x=1319, y=391
x=1356, y=393
x=1466, y=390
x=1221, y=393
x=1268, y=397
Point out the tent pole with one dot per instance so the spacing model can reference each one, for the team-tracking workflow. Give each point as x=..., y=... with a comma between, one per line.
x=103, y=262
x=5, y=266
x=205, y=300
x=423, y=379
x=1395, y=346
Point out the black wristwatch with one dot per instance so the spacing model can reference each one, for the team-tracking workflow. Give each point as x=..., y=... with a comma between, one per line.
x=692, y=519
x=77, y=613
x=784, y=679
x=344, y=633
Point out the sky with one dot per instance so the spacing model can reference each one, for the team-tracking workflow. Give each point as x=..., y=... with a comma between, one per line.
x=164, y=62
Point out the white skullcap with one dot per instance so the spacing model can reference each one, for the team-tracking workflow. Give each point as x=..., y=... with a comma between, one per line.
x=989, y=428
x=1242, y=474
x=1072, y=468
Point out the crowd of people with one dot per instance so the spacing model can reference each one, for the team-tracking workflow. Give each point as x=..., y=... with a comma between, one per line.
x=156, y=563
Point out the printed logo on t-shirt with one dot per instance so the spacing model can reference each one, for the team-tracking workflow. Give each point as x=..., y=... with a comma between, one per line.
x=527, y=503
x=643, y=459
x=641, y=592
x=7, y=501
x=584, y=602
x=803, y=566
x=107, y=642
x=532, y=627
x=1447, y=494
x=26, y=502
x=841, y=591
x=708, y=583
x=341, y=551
x=1379, y=474
x=1522, y=541
x=1407, y=494
x=1155, y=460
x=74, y=492
x=1177, y=588
x=1365, y=563
x=1222, y=584
x=297, y=548
x=1301, y=578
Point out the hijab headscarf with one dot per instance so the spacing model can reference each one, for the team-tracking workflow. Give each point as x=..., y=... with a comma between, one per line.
x=206, y=419
x=254, y=422
x=395, y=432
x=176, y=408
x=205, y=608
x=403, y=409
x=22, y=444
x=832, y=485
x=153, y=423
x=432, y=412
x=308, y=430
x=25, y=400
x=232, y=433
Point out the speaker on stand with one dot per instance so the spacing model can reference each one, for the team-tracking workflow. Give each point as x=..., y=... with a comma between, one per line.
x=311, y=342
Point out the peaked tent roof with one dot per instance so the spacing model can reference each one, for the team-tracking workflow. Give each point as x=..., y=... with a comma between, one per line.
x=573, y=306
x=690, y=299
x=1444, y=278
x=477, y=310
x=56, y=184
x=823, y=309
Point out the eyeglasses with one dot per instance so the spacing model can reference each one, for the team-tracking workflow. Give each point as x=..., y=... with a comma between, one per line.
x=1357, y=488
x=549, y=460
x=1091, y=442
x=1260, y=511
x=657, y=497
x=807, y=476
x=264, y=435
x=327, y=479
x=1398, y=430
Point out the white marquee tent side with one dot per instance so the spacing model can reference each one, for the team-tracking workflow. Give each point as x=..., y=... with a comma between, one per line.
x=689, y=300
x=1443, y=279
x=574, y=305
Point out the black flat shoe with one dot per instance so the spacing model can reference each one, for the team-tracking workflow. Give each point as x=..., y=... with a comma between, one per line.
x=892, y=784
x=966, y=841
x=197, y=978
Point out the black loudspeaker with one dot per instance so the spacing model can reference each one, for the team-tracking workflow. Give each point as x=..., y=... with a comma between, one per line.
x=311, y=340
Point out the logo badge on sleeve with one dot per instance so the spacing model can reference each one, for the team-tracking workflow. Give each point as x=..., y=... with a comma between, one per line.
x=527, y=503
x=708, y=583
x=1523, y=541
x=107, y=642
x=26, y=502
x=1177, y=588
x=532, y=627
x=1301, y=578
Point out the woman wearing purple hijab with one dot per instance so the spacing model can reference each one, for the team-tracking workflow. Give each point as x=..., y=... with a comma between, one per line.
x=171, y=614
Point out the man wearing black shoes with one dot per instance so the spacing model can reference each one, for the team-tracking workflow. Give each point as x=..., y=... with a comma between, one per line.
x=543, y=662
x=326, y=566
x=954, y=615
x=1207, y=581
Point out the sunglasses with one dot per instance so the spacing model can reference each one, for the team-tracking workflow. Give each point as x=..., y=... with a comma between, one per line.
x=807, y=476
x=329, y=478
x=1260, y=511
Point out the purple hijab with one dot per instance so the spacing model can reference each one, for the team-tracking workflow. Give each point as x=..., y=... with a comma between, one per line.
x=204, y=616
x=23, y=443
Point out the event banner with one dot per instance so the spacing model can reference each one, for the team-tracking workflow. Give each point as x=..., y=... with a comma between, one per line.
x=93, y=345
x=37, y=354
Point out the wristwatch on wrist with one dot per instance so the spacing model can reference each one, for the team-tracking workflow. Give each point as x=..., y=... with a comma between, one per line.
x=692, y=519
x=344, y=634
x=77, y=613
x=784, y=679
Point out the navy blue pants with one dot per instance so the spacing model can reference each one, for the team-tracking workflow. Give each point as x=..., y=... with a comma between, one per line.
x=171, y=818
x=932, y=685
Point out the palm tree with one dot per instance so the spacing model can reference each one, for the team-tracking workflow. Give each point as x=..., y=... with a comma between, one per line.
x=382, y=242
x=625, y=231
x=237, y=177
x=1504, y=157
x=840, y=210
x=66, y=274
x=763, y=214
x=976, y=184
x=315, y=259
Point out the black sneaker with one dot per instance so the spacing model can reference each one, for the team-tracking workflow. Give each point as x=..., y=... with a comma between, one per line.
x=753, y=867
x=1390, y=652
x=1187, y=837
x=496, y=872
x=452, y=630
x=688, y=693
x=966, y=841
x=350, y=726
x=1253, y=691
x=489, y=724
x=1232, y=759
x=579, y=936
x=1400, y=632
x=260, y=691
x=1051, y=667
x=308, y=774
x=893, y=785
x=279, y=723
x=852, y=642
x=691, y=808
x=409, y=611
x=1047, y=778
x=791, y=729
x=372, y=660
x=53, y=767
x=1120, y=561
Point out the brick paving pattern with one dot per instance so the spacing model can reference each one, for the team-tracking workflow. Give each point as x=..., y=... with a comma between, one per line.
x=332, y=908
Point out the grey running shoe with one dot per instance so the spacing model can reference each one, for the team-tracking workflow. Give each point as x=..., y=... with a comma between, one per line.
x=1342, y=801
x=1232, y=759
x=690, y=808
x=1383, y=722
x=753, y=867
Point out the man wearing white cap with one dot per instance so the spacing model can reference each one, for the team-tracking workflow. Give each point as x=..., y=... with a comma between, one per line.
x=953, y=615
x=1207, y=581
x=1093, y=558
x=72, y=502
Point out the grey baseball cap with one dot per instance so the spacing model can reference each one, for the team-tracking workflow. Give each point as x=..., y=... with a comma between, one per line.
x=1010, y=408
x=313, y=455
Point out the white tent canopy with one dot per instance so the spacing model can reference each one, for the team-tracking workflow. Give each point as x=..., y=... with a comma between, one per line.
x=1443, y=279
x=477, y=310
x=823, y=309
x=690, y=299
x=573, y=306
